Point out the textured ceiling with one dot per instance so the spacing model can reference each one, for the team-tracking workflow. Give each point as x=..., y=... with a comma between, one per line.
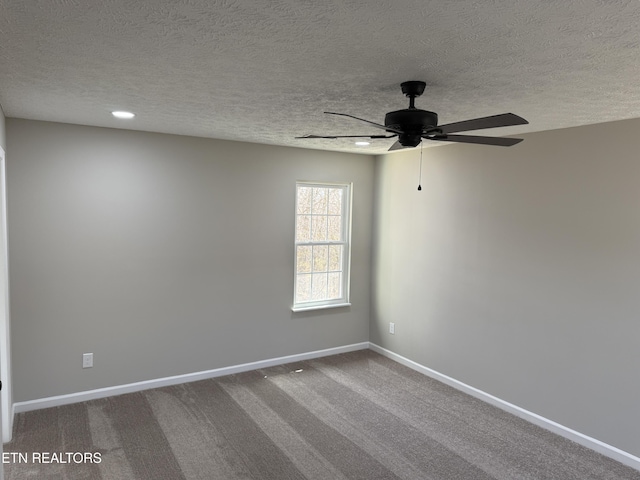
x=265, y=71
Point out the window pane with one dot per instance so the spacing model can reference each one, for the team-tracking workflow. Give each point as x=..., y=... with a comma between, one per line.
x=335, y=258
x=334, y=228
x=334, y=287
x=303, y=259
x=303, y=288
x=319, y=228
x=320, y=258
x=335, y=201
x=318, y=286
x=319, y=206
x=303, y=228
x=322, y=244
x=304, y=200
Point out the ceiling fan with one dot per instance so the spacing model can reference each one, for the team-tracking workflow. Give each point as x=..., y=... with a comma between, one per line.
x=412, y=124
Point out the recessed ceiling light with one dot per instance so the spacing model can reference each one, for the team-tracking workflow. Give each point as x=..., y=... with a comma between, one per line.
x=121, y=114
x=362, y=144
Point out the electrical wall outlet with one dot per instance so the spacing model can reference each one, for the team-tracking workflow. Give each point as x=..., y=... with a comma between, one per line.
x=87, y=360
x=392, y=328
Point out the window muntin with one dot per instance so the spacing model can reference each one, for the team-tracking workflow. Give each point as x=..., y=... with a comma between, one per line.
x=322, y=245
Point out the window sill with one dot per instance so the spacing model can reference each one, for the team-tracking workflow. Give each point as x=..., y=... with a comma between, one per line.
x=320, y=307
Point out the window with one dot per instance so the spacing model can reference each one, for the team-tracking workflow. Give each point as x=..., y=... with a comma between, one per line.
x=323, y=230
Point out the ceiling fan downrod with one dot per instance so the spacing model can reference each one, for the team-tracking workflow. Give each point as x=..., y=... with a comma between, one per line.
x=413, y=89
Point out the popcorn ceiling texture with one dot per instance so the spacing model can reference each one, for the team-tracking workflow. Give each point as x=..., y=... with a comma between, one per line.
x=265, y=71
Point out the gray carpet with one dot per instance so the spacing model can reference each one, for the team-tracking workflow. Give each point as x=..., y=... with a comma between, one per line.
x=352, y=416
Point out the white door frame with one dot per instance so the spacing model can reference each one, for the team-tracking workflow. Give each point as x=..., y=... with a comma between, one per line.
x=5, y=343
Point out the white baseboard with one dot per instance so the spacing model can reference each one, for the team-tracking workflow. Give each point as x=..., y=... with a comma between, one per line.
x=59, y=400
x=584, y=440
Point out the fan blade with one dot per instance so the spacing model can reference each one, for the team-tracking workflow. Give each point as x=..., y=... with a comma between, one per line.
x=503, y=120
x=348, y=136
x=377, y=125
x=396, y=146
x=498, y=141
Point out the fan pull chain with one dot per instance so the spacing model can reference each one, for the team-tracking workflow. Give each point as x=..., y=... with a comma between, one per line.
x=420, y=177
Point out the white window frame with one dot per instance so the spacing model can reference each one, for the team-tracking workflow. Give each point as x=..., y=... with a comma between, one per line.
x=347, y=201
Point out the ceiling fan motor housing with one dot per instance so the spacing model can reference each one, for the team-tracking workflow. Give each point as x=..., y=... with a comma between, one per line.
x=413, y=122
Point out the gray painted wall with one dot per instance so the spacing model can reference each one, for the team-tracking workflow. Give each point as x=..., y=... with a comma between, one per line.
x=513, y=270
x=163, y=255
x=516, y=271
